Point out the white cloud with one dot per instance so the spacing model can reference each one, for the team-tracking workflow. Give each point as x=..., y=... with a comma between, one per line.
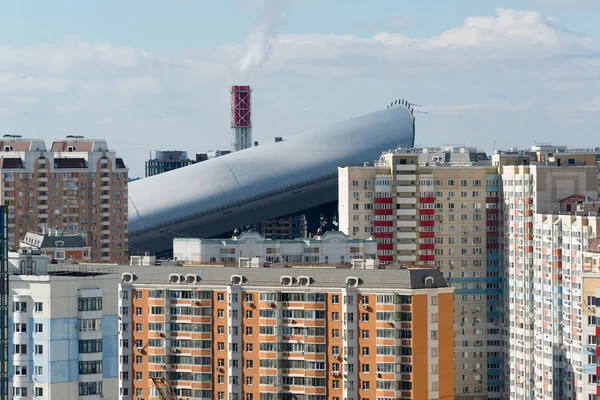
x=142, y=85
x=12, y=83
x=509, y=36
x=73, y=52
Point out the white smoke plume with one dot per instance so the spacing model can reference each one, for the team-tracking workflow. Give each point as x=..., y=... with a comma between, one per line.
x=257, y=47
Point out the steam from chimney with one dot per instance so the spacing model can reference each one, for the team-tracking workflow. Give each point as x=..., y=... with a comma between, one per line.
x=257, y=47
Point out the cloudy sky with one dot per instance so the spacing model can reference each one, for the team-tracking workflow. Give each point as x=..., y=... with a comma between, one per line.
x=155, y=74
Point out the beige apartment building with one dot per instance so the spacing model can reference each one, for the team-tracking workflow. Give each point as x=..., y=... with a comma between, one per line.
x=439, y=207
x=77, y=186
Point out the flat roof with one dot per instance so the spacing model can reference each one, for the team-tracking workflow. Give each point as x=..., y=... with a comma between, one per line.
x=413, y=278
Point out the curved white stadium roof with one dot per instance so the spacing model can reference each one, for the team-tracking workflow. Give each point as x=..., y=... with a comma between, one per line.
x=268, y=181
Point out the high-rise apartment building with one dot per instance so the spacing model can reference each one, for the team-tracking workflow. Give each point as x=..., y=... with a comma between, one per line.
x=542, y=256
x=78, y=186
x=440, y=207
x=280, y=333
x=62, y=331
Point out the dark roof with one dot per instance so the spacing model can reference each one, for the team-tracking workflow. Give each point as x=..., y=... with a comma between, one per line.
x=70, y=163
x=13, y=162
x=45, y=241
x=120, y=163
x=321, y=277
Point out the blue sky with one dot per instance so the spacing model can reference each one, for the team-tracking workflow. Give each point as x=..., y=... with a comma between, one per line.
x=154, y=74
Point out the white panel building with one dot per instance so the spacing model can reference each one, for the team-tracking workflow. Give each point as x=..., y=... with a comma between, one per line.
x=330, y=248
x=63, y=331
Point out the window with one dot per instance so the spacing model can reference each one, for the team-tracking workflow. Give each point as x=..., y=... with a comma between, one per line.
x=248, y=346
x=249, y=314
x=39, y=370
x=19, y=391
x=20, y=306
x=335, y=316
x=90, y=303
x=220, y=313
x=139, y=392
x=365, y=351
x=365, y=385
x=39, y=306
x=365, y=368
x=221, y=346
x=434, y=335
x=138, y=327
x=365, y=334
x=220, y=296
x=39, y=392
x=248, y=330
x=335, y=299
x=249, y=364
x=249, y=380
x=335, y=333
x=434, y=300
x=365, y=317
x=335, y=384
x=39, y=349
x=20, y=327
x=434, y=352
x=139, y=376
x=220, y=329
x=20, y=370
x=138, y=295
x=39, y=328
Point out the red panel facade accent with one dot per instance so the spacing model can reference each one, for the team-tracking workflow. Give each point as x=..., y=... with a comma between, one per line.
x=597, y=387
x=426, y=200
x=384, y=235
x=385, y=246
x=426, y=223
x=386, y=258
x=426, y=258
x=426, y=246
x=598, y=350
x=383, y=200
x=427, y=211
x=426, y=234
x=384, y=212
x=384, y=223
x=241, y=106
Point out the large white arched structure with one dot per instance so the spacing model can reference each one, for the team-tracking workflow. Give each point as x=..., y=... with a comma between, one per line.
x=271, y=180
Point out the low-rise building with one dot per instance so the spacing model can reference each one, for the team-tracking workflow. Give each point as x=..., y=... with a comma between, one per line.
x=57, y=245
x=332, y=247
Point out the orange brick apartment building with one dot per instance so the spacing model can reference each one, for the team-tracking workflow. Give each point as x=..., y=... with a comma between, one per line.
x=282, y=333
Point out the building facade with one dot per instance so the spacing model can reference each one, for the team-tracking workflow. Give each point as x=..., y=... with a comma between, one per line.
x=292, y=227
x=167, y=161
x=308, y=334
x=78, y=186
x=535, y=185
x=332, y=247
x=440, y=207
x=63, y=331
